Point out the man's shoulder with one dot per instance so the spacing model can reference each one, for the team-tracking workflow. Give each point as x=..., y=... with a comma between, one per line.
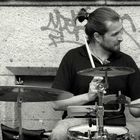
x=128, y=59
x=124, y=55
x=77, y=50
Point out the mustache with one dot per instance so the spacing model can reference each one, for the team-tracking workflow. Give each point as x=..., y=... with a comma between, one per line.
x=117, y=44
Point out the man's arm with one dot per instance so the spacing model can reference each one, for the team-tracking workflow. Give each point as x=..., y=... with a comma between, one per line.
x=83, y=98
x=135, y=111
x=75, y=100
x=134, y=89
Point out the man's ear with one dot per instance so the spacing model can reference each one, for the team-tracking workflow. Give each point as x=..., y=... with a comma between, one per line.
x=97, y=37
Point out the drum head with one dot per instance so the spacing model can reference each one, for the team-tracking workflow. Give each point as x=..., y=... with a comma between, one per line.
x=80, y=132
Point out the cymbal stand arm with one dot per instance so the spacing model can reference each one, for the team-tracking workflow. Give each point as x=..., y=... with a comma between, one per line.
x=19, y=105
x=119, y=108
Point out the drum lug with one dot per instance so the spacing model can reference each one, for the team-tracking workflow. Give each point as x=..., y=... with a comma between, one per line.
x=129, y=136
x=132, y=136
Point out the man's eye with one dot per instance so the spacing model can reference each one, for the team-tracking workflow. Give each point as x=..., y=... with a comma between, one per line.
x=115, y=34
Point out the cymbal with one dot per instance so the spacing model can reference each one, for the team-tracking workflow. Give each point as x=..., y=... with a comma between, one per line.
x=32, y=93
x=110, y=70
x=133, y=105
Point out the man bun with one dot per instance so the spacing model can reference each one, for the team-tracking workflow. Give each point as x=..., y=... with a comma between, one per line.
x=82, y=15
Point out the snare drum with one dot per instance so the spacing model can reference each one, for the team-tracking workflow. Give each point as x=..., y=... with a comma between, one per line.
x=81, y=132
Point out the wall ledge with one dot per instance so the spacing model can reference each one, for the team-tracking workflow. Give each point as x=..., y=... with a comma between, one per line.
x=35, y=71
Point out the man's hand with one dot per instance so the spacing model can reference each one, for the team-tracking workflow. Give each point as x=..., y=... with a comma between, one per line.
x=95, y=86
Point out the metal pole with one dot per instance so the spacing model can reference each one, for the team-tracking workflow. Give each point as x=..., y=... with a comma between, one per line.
x=19, y=105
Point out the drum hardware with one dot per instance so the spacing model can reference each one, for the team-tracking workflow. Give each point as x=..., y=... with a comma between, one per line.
x=90, y=112
x=90, y=119
x=19, y=105
x=100, y=108
x=89, y=134
x=96, y=111
x=105, y=72
x=102, y=134
x=22, y=93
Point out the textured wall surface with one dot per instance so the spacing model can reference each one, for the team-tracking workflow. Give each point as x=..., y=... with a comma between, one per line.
x=39, y=37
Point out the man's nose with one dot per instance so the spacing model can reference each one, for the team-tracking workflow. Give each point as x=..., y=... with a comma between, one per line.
x=120, y=38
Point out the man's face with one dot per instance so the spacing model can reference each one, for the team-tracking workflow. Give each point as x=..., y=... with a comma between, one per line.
x=113, y=37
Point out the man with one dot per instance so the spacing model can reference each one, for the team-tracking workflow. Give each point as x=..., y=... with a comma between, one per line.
x=104, y=30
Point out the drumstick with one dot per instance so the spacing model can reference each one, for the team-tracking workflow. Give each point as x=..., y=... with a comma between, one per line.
x=89, y=53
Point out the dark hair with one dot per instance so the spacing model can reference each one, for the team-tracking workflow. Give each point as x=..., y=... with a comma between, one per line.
x=96, y=20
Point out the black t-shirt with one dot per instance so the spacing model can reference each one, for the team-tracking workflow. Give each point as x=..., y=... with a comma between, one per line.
x=77, y=59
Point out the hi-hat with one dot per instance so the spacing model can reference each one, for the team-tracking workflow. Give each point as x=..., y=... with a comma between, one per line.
x=32, y=93
x=111, y=71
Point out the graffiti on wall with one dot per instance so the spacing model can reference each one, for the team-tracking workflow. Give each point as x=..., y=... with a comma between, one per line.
x=59, y=25
x=133, y=27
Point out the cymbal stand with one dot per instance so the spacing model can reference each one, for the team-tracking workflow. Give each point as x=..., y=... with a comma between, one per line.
x=102, y=135
x=19, y=105
x=100, y=111
x=19, y=108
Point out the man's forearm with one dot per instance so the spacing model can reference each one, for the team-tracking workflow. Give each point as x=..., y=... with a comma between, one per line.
x=75, y=100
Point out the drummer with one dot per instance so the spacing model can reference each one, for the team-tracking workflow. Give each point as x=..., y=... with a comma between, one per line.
x=104, y=30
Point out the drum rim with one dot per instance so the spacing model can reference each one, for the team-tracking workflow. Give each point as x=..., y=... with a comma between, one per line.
x=106, y=126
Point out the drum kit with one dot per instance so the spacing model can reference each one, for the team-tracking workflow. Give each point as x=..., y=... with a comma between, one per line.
x=99, y=132
x=22, y=93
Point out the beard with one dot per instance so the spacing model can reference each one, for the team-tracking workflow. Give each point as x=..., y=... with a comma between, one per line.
x=115, y=48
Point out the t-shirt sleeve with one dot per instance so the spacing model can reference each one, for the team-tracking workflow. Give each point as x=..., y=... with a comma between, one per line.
x=64, y=74
x=134, y=81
